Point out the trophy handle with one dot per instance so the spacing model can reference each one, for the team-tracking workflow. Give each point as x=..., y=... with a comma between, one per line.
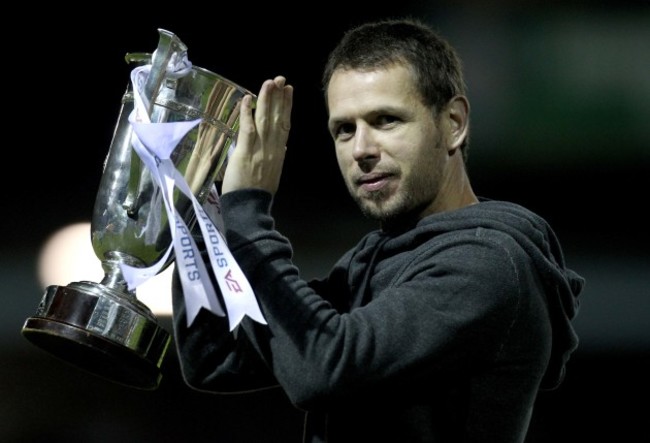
x=168, y=45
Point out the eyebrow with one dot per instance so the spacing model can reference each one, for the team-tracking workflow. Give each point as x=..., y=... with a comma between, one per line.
x=390, y=110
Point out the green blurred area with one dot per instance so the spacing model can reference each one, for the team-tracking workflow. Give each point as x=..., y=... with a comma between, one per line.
x=558, y=86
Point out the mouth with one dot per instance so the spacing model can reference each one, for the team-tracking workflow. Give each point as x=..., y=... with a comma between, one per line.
x=373, y=182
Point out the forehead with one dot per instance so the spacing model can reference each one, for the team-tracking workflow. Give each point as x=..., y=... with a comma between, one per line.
x=352, y=90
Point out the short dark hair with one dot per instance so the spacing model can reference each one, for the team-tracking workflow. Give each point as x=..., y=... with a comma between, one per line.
x=434, y=62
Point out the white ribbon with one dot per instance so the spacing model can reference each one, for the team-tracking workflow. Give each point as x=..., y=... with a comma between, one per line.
x=154, y=143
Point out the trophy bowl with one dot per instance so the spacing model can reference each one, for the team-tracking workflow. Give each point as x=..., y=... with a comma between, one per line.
x=102, y=327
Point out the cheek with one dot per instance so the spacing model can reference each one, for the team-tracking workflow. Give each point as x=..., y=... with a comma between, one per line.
x=420, y=161
x=414, y=151
x=343, y=159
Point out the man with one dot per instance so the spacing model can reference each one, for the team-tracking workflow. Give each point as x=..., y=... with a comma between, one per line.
x=440, y=326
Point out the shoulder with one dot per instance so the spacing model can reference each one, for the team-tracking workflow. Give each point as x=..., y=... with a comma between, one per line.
x=475, y=254
x=473, y=257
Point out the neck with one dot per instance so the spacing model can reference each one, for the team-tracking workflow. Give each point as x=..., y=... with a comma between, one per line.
x=455, y=192
x=455, y=189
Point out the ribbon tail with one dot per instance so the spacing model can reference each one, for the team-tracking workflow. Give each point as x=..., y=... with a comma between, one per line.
x=196, y=298
x=134, y=276
x=237, y=310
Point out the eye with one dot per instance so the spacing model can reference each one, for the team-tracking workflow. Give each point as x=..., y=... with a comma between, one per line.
x=386, y=120
x=344, y=131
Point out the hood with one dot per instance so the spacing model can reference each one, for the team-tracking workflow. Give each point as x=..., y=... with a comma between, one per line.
x=540, y=242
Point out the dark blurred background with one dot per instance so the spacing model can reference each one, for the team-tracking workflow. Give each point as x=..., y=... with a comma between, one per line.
x=560, y=95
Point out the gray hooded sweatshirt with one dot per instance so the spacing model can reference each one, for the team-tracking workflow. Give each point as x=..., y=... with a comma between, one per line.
x=445, y=332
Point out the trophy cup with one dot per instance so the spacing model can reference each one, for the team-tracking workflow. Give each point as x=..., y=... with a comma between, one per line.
x=102, y=327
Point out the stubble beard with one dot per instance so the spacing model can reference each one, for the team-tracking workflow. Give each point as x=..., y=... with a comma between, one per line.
x=409, y=203
x=380, y=206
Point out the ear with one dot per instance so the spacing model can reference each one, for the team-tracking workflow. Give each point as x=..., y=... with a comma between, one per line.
x=458, y=118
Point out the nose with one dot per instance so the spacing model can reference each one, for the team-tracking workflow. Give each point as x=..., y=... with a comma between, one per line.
x=365, y=146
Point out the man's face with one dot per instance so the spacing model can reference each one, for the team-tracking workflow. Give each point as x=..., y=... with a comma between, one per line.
x=389, y=146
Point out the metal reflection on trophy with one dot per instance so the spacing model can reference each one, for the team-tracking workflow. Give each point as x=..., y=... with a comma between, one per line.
x=102, y=327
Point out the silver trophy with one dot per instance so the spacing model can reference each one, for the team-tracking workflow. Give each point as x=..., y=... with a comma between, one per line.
x=102, y=327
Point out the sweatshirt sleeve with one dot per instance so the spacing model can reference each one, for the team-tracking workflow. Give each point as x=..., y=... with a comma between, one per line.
x=211, y=357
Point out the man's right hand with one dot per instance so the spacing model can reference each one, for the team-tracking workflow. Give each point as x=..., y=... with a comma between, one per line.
x=258, y=157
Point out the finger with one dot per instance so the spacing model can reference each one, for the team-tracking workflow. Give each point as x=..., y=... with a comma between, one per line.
x=246, y=133
x=281, y=109
x=263, y=109
x=277, y=100
x=288, y=105
x=279, y=81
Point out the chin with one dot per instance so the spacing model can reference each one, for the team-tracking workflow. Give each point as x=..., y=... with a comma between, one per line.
x=377, y=212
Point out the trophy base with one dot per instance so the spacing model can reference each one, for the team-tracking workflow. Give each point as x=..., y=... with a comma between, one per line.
x=101, y=331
